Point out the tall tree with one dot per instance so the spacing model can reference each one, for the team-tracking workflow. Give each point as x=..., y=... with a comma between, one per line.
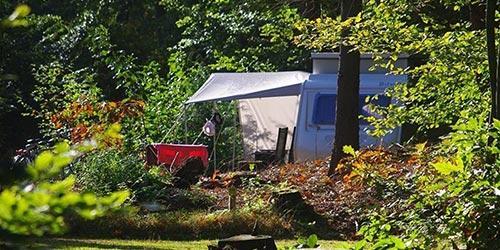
x=347, y=123
x=492, y=60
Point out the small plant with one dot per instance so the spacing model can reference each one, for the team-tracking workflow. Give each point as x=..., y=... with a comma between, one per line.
x=251, y=166
x=310, y=242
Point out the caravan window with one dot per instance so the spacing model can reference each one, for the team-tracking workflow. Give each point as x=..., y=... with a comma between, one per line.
x=364, y=110
x=325, y=106
x=324, y=109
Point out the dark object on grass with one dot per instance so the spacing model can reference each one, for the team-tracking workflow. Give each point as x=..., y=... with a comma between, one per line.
x=285, y=201
x=152, y=206
x=209, y=171
x=245, y=242
x=291, y=202
x=189, y=172
x=266, y=157
x=177, y=198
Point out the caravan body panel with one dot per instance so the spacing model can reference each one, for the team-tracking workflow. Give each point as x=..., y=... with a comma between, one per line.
x=316, y=115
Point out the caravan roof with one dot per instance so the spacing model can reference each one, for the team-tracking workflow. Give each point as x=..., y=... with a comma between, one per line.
x=236, y=86
x=367, y=82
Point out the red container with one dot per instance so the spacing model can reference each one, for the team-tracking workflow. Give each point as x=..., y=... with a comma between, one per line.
x=175, y=154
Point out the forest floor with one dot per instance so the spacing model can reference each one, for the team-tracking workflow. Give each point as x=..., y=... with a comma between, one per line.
x=343, y=200
x=338, y=206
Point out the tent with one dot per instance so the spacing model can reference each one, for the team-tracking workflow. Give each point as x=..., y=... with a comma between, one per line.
x=266, y=102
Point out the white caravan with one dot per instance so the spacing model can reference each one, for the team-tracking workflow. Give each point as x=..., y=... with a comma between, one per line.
x=306, y=101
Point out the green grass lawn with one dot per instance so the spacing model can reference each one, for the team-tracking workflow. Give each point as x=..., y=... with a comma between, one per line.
x=62, y=243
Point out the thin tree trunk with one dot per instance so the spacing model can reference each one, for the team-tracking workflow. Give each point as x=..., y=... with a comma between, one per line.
x=497, y=89
x=492, y=59
x=346, y=121
x=476, y=15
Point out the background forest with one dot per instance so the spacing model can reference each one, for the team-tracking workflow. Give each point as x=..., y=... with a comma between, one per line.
x=71, y=69
x=119, y=52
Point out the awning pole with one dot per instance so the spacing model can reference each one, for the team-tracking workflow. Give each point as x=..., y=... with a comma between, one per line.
x=235, y=124
x=215, y=137
x=184, y=117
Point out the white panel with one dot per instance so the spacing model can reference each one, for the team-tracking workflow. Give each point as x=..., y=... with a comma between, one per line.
x=236, y=86
x=261, y=118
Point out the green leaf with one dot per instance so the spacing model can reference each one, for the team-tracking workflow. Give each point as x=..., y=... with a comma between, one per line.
x=349, y=150
x=62, y=147
x=60, y=162
x=446, y=167
x=420, y=147
x=114, y=131
x=301, y=241
x=89, y=199
x=312, y=240
x=21, y=11
x=398, y=243
x=360, y=245
x=43, y=161
x=496, y=124
x=70, y=199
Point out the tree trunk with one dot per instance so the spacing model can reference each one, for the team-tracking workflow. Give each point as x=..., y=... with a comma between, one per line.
x=497, y=89
x=477, y=15
x=346, y=121
x=492, y=59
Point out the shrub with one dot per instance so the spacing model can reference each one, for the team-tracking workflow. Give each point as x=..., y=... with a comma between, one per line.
x=36, y=206
x=453, y=198
x=110, y=170
x=107, y=170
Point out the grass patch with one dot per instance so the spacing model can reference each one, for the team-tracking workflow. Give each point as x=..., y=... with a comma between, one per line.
x=64, y=243
x=182, y=225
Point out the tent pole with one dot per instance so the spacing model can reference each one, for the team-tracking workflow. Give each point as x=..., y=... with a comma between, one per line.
x=184, y=117
x=215, y=150
x=235, y=124
x=215, y=140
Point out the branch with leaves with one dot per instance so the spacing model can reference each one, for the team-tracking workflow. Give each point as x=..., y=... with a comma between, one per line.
x=37, y=206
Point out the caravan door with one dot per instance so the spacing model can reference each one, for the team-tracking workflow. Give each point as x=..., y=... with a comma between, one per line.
x=314, y=134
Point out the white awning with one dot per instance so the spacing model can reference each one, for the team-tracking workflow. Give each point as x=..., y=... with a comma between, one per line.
x=235, y=86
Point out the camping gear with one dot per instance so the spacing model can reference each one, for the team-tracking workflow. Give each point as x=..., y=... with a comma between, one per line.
x=209, y=128
x=265, y=157
x=271, y=100
x=290, y=153
x=217, y=119
x=175, y=155
x=245, y=242
x=273, y=104
x=189, y=173
x=280, y=145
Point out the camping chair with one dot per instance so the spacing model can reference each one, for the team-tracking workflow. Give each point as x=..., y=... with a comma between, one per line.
x=281, y=145
x=291, y=159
